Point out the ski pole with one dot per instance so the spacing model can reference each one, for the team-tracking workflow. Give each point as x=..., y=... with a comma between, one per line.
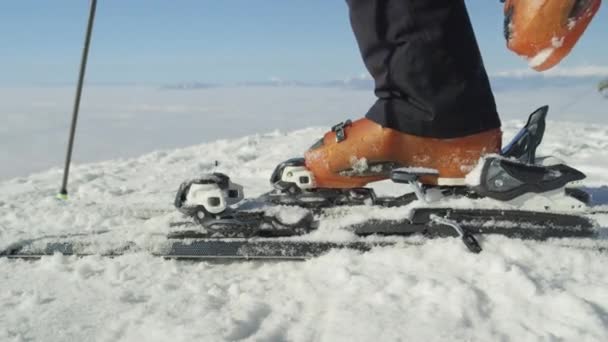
x=63, y=193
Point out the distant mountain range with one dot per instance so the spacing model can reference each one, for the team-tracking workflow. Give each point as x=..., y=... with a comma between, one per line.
x=499, y=83
x=505, y=83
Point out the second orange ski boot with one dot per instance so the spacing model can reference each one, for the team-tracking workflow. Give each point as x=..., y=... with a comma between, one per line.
x=545, y=31
x=355, y=153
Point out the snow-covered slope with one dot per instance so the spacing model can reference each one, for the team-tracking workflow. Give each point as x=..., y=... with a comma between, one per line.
x=515, y=290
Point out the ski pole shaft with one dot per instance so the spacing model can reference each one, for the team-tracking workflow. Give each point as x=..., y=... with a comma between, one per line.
x=63, y=193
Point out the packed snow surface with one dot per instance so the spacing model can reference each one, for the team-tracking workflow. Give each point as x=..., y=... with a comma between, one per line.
x=514, y=291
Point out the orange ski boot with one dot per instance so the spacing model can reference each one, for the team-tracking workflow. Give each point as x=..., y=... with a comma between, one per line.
x=545, y=31
x=355, y=153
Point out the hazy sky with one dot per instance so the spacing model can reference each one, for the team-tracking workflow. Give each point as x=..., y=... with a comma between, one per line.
x=160, y=41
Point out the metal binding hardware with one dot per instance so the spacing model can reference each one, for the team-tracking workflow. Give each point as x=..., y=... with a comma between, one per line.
x=467, y=238
x=339, y=129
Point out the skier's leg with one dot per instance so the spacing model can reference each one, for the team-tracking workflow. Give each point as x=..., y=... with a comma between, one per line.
x=435, y=108
x=428, y=72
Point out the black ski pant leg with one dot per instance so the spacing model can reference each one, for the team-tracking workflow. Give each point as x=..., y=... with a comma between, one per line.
x=429, y=76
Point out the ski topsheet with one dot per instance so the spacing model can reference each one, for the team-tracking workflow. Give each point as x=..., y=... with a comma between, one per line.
x=197, y=243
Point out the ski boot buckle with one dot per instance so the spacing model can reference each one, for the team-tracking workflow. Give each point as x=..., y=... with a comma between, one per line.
x=339, y=129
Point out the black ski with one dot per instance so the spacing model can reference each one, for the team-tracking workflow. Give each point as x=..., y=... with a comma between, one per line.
x=247, y=249
x=267, y=249
x=510, y=223
x=205, y=249
x=260, y=240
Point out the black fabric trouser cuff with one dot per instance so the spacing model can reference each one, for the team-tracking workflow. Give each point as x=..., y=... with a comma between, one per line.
x=429, y=75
